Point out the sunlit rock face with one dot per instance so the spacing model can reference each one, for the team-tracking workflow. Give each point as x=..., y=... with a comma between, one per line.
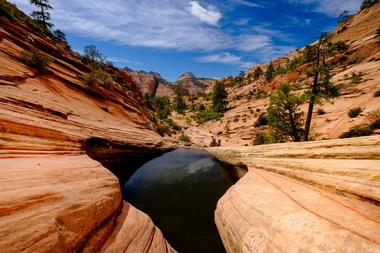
x=303, y=197
x=179, y=190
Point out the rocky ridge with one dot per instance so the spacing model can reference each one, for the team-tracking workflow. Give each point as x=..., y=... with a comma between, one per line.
x=154, y=85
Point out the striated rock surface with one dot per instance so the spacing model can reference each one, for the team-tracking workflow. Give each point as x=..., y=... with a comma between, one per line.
x=303, y=197
x=53, y=196
x=192, y=86
x=154, y=85
x=68, y=203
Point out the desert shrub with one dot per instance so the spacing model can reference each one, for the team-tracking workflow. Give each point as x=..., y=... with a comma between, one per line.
x=104, y=78
x=208, y=115
x=215, y=143
x=377, y=93
x=36, y=59
x=262, y=120
x=354, y=112
x=261, y=94
x=89, y=78
x=341, y=47
x=98, y=76
x=162, y=130
x=320, y=111
x=356, y=78
x=236, y=118
x=172, y=124
x=259, y=139
x=268, y=137
x=374, y=119
x=183, y=137
x=358, y=131
x=227, y=127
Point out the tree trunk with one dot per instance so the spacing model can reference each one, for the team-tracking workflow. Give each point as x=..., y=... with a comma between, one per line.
x=313, y=93
x=43, y=16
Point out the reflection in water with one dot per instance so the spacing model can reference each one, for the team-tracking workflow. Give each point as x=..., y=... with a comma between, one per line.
x=179, y=191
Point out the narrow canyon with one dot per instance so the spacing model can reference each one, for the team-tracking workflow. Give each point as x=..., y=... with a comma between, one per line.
x=68, y=147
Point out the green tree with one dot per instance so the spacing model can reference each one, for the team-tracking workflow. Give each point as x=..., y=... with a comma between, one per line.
x=180, y=104
x=321, y=89
x=147, y=101
x=92, y=54
x=344, y=17
x=42, y=16
x=269, y=74
x=59, y=36
x=162, y=106
x=258, y=73
x=219, y=97
x=368, y=3
x=242, y=75
x=284, y=114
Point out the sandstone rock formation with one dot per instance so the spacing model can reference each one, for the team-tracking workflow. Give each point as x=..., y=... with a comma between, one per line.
x=154, y=85
x=303, y=197
x=54, y=197
x=192, y=86
x=67, y=202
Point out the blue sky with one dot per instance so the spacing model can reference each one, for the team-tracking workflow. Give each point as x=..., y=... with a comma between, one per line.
x=210, y=38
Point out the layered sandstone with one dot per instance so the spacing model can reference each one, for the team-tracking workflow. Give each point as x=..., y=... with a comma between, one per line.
x=303, y=197
x=192, y=86
x=54, y=197
x=68, y=202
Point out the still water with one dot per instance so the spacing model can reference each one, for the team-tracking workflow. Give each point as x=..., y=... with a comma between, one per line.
x=179, y=191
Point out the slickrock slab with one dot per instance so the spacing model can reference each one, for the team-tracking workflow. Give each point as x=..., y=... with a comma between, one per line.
x=324, y=199
x=135, y=232
x=68, y=203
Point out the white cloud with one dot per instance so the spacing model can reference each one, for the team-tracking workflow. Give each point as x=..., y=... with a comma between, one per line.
x=248, y=3
x=253, y=42
x=209, y=15
x=124, y=61
x=165, y=24
x=157, y=24
x=226, y=58
x=331, y=7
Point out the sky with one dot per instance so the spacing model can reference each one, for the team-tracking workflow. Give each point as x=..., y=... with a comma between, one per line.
x=211, y=38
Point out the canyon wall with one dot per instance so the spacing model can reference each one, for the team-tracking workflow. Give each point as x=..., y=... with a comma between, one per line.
x=303, y=197
x=54, y=197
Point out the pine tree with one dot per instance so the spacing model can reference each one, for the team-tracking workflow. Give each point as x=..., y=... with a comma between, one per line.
x=258, y=72
x=344, y=17
x=321, y=88
x=180, y=105
x=368, y=3
x=269, y=74
x=42, y=16
x=59, y=36
x=219, y=98
x=284, y=114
